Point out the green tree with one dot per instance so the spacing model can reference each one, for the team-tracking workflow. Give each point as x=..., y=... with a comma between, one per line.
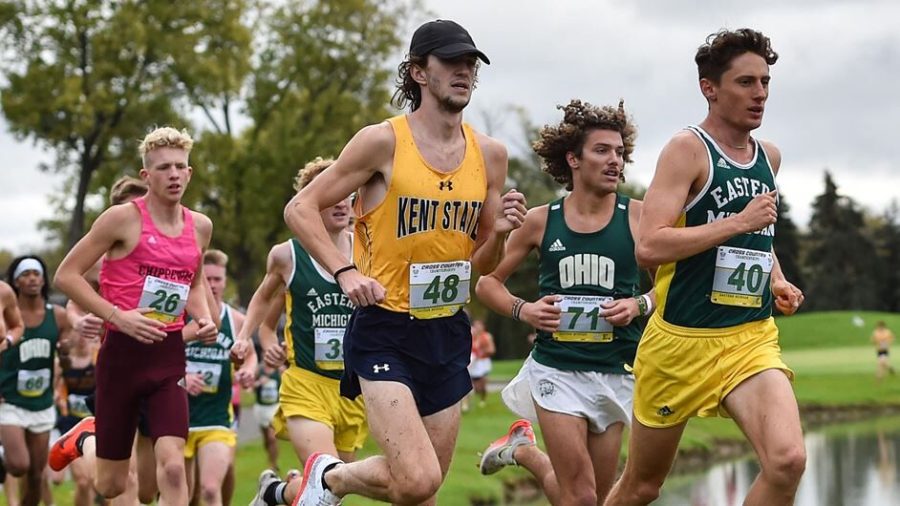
x=887, y=240
x=320, y=74
x=85, y=79
x=842, y=267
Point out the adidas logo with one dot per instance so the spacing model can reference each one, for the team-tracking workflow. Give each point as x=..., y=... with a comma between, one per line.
x=312, y=293
x=557, y=246
x=722, y=164
x=665, y=411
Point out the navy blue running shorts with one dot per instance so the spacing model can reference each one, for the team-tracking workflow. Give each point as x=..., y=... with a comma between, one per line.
x=429, y=356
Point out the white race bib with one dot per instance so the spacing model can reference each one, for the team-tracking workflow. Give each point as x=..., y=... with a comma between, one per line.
x=438, y=289
x=211, y=374
x=741, y=276
x=268, y=392
x=581, y=320
x=329, y=351
x=166, y=298
x=33, y=383
x=78, y=406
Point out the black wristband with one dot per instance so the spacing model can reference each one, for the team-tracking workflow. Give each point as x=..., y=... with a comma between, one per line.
x=342, y=270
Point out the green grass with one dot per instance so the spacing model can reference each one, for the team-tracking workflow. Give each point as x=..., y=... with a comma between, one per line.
x=833, y=329
x=835, y=366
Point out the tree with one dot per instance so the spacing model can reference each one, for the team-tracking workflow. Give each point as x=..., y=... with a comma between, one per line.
x=887, y=240
x=320, y=74
x=842, y=267
x=87, y=78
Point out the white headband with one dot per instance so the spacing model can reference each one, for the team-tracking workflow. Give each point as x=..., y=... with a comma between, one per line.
x=29, y=264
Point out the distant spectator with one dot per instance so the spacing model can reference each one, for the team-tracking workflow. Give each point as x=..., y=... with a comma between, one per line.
x=882, y=337
x=480, y=365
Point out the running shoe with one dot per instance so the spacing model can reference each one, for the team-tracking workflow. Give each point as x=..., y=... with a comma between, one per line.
x=313, y=491
x=266, y=478
x=65, y=449
x=500, y=453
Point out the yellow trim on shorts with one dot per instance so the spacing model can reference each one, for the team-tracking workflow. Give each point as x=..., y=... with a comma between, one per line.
x=680, y=331
x=203, y=437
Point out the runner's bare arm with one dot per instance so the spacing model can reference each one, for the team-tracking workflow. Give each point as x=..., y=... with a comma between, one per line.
x=365, y=156
x=683, y=164
x=274, y=354
x=109, y=229
x=198, y=302
x=12, y=318
x=491, y=289
x=787, y=296
x=500, y=215
x=278, y=266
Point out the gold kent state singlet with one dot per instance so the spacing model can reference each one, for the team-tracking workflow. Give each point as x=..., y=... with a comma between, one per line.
x=418, y=241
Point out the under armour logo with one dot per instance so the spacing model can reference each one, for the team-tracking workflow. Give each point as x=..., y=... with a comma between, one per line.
x=380, y=368
x=446, y=184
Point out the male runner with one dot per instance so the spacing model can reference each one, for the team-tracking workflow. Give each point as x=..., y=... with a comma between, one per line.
x=152, y=249
x=211, y=441
x=577, y=382
x=429, y=210
x=882, y=338
x=483, y=349
x=711, y=347
x=312, y=412
x=27, y=413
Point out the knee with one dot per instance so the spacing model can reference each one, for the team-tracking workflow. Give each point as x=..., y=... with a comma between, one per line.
x=172, y=471
x=418, y=488
x=786, y=466
x=17, y=465
x=583, y=497
x=211, y=493
x=110, y=488
x=146, y=493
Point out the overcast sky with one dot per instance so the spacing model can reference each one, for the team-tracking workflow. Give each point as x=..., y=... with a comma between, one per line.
x=833, y=96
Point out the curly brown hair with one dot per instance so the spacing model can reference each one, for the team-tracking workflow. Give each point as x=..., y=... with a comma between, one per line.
x=714, y=57
x=579, y=119
x=310, y=171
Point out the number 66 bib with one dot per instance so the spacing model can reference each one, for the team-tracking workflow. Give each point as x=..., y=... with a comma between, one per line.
x=581, y=321
x=438, y=289
x=166, y=298
x=741, y=276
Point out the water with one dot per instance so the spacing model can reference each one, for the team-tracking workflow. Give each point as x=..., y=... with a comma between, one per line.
x=848, y=468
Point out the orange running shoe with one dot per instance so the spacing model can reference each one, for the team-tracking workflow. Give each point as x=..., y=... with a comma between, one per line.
x=500, y=453
x=65, y=449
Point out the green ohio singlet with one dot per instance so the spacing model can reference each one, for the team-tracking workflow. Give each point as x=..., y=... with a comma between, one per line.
x=317, y=314
x=27, y=368
x=588, y=269
x=729, y=284
x=212, y=407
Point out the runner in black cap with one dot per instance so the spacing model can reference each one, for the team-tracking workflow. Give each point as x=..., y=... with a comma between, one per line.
x=429, y=211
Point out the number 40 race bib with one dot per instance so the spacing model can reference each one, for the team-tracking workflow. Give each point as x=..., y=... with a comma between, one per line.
x=741, y=276
x=438, y=289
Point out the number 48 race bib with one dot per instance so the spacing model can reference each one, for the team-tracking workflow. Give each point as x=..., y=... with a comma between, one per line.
x=438, y=289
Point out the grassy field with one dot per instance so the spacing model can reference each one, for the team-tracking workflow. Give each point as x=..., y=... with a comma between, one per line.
x=834, y=367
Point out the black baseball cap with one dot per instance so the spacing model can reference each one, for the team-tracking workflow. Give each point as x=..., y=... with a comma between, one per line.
x=444, y=39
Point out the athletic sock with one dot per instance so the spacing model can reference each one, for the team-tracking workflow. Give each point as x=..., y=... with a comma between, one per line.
x=79, y=443
x=274, y=493
x=329, y=467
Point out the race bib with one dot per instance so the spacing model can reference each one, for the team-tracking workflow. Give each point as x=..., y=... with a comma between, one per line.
x=438, y=289
x=211, y=374
x=33, y=383
x=78, y=406
x=581, y=321
x=268, y=392
x=329, y=352
x=166, y=298
x=741, y=276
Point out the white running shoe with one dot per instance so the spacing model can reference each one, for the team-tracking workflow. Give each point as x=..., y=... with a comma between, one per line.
x=500, y=453
x=313, y=492
x=266, y=478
